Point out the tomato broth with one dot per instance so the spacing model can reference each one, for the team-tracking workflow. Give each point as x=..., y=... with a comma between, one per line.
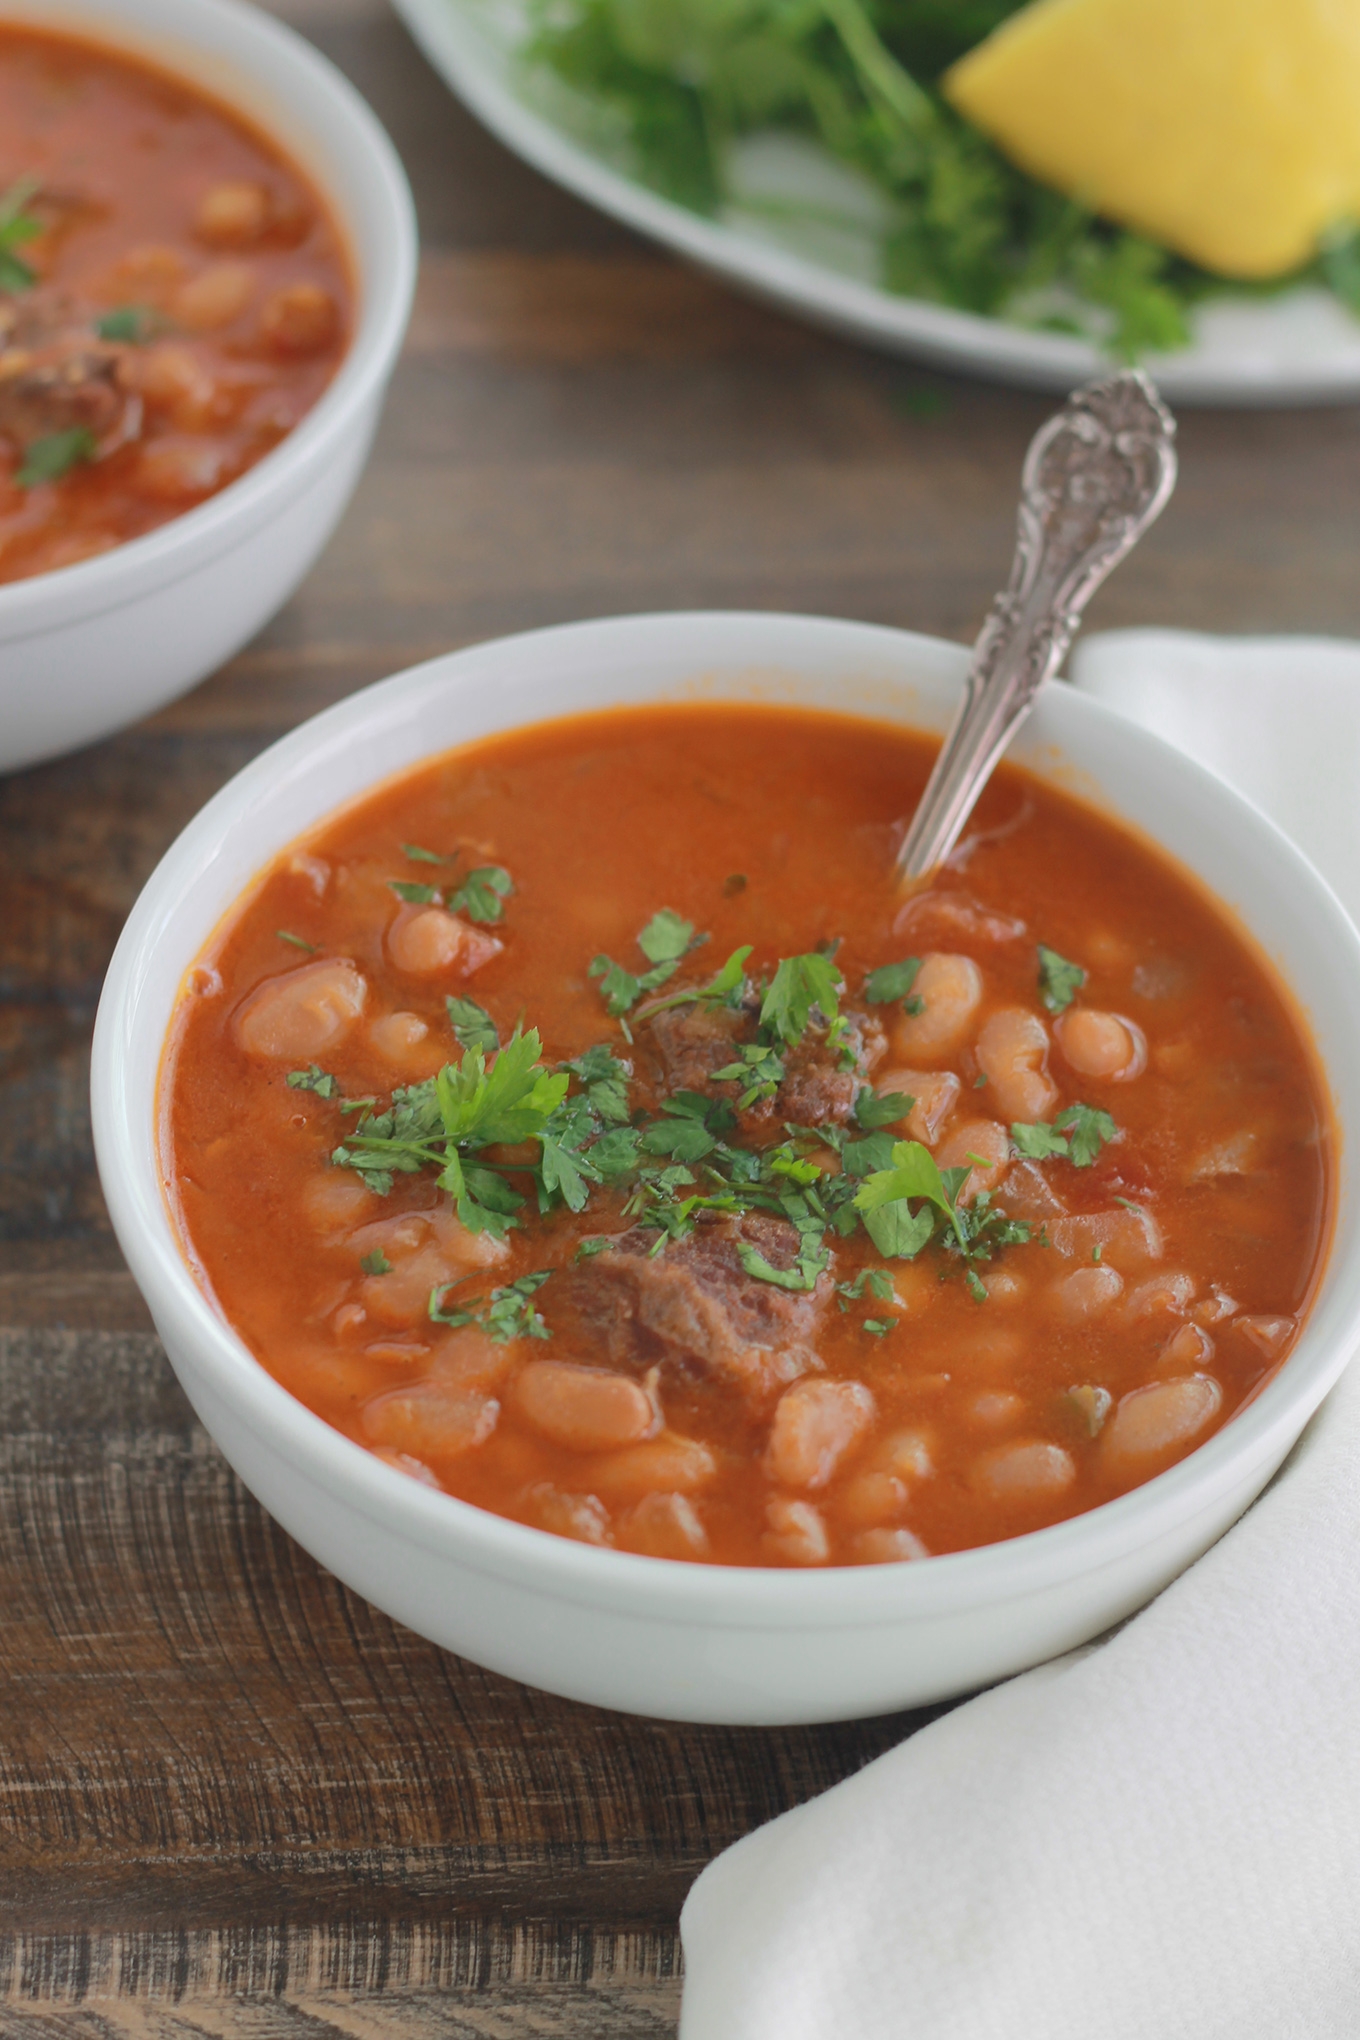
x=173, y=299
x=815, y=1222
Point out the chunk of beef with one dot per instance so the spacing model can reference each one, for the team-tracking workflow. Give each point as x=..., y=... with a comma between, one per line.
x=816, y=1090
x=693, y=1305
x=56, y=375
x=692, y=1042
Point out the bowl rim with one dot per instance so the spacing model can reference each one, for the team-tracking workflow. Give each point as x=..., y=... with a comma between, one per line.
x=675, y=1590
x=289, y=70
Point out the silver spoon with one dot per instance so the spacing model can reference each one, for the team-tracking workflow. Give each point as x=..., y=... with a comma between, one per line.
x=1095, y=477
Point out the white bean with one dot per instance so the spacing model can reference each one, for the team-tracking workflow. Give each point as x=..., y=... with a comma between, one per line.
x=1153, y=1425
x=586, y=1409
x=950, y=989
x=1100, y=1044
x=1189, y=1350
x=1012, y=1053
x=1125, y=1238
x=1269, y=1335
x=886, y=1547
x=335, y=1200
x=433, y=943
x=934, y=1093
x=815, y=1424
x=1087, y=1292
x=300, y=1016
x=424, y=1249
x=1092, y=1405
x=664, y=1526
x=982, y=1146
x=796, y=1533
x=872, y=1498
x=582, y=1517
x=1029, y=1471
x=666, y=1462
x=215, y=298
x=1160, y=1296
x=430, y=1422
x=995, y=1408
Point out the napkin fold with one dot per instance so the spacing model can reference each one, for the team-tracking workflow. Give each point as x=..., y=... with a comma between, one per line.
x=1157, y=1837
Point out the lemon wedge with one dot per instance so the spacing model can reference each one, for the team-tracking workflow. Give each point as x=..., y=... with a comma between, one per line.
x=1227, y=129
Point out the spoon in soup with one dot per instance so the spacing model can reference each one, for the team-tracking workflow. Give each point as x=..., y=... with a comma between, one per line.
x=1095, y=477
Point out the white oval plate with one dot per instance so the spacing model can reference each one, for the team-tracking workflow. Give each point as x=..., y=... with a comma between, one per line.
x=1301, y=348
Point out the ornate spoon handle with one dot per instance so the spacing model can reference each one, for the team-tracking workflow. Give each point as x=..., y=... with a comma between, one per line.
x=1095, y=477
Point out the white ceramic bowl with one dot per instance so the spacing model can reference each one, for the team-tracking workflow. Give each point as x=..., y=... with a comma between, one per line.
x=88, y=648
x=689, y=1641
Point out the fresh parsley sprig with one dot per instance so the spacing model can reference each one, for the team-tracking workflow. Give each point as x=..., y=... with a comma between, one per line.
x=665, y=942
x=17, y=226
x=473, y=1026
x=891, y=985
x=447, y=1121
x=510, y=1313
x=1076, y=1135
x=1059, y=980
x=49, y=458
x=801, y=986
x=904, y=1207
x=481, y=896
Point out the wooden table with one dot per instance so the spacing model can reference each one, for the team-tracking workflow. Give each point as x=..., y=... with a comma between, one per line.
x=234, y=1798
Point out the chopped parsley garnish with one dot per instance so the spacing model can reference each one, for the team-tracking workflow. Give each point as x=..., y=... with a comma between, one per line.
x=49, y=458
x=313, y=1079
x=17, y=227
x=1076, y=1135
x=375, y=1263
x=604, y=1079
x=296, y=940
x=665, y=941
x=132, y=324
x=599, y=1243
x=418, y=855
x=871, y=1111
x=877, y=1280
x=1059, y=980
x=891, y=981
x=814, y=1259
x=725, y=988
x=481, y=896
x=472, y=1025
x=914, y=1200
x=447, y=1122
x=759, y=1068
x=880, y=1327
x=509, y=1315
x=800, y=985
x=690, y=1127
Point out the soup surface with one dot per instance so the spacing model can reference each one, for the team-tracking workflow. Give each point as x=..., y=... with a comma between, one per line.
x=173, y=299
x=586, y=1124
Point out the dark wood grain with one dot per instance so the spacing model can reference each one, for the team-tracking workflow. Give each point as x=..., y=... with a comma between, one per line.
x=234, y=1798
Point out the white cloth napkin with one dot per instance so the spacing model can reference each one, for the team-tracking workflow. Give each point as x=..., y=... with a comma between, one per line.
x=1156, y=1838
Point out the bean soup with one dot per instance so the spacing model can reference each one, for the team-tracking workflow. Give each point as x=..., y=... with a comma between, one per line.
x=173, y=299
x=586, y=1124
